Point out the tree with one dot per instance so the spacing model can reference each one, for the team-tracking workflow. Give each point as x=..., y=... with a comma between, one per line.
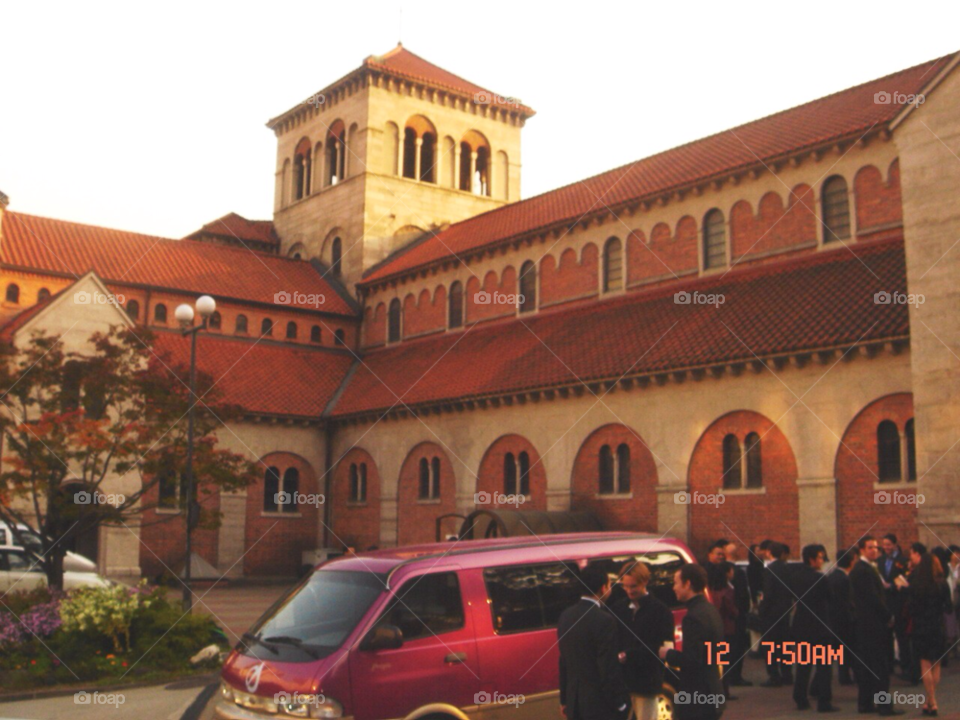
x=77, y=428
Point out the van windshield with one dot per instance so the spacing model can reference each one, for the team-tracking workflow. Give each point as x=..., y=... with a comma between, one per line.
x=314, y=618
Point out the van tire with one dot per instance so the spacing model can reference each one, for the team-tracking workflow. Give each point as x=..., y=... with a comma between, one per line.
x=665, y=710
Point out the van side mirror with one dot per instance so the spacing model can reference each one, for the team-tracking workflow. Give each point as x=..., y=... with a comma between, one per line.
x=383, y=637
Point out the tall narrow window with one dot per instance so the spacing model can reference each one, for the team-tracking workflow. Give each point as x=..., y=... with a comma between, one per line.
x=612, y=265
x=606, y=470
x=43, y=294
x=424, y=479
x=291, y=330
x=336, y=257
x=888, y=452
x=302, y=169
x=271, y=488
x=70, y=386
x=241, y=326
x=435, y=476
x=339, y=338
x=315, y=334
x=732, y=473
x=509, y=474
x=714, y=240
x=13, y=293
x=167, y=488
x=133, y=309
x=291, y=488
x=456, y=304
x=160, y=313
x=524, y=463
x=528, y=287
x=336, y=153
x=754, y=464
x=354, y=482
x=427, y=161
x=911, y=452
x=835, y=205
x=623, y=468
x=266, y=327
x=362, y=493
x=393, y=322
x=216, y=320
x=409, y=153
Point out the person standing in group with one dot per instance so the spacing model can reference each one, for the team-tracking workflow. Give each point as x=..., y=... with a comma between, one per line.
x=702, y=628
x=928, y=597
x=719, y=581
x=950, y=622
x=842, y=615
x=645, y=625
x=741, y=637
x=873, y=631
x=591, y=683
x=810, y=625
x=893, y=564
x=774, y=612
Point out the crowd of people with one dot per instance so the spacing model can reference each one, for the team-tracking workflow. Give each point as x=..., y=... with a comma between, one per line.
x=874, y=610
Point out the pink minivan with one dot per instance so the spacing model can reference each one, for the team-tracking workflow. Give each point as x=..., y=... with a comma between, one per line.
x=446, y=631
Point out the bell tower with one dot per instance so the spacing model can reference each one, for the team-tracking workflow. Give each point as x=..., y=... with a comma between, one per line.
x=390, y=152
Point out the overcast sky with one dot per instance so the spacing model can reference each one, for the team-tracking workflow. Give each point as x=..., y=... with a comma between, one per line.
x=151, y=117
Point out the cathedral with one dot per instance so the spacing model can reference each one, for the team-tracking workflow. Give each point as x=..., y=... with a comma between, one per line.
x=755, y=334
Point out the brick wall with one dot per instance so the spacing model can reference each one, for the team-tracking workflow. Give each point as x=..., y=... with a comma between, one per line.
x=163, y=536
x=569, y=278
x=878, y=201
x=665, y=255
x=491, y=475
x=416, y=518
x=355, y=524
x=774, y=227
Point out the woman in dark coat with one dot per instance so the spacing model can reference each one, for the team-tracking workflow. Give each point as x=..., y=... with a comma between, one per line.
x=928, y=598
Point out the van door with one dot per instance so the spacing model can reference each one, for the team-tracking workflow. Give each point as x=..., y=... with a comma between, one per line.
x=437, y=662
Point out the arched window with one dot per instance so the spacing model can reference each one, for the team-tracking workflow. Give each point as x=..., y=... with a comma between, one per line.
x=524, y=462
x=336, y=153
x=509, y=474
x=714, y=240
x=43, y=294
x=754, y=464
x=409, y=153
x=338, y=337
x=291, y=488
x=612, y=265
x=336, y=257
x=888, y=452
x=528, y=287
x=835, y=205
x=732, y=457
x=13, y=293
x=623, y=468
x=133, y=309
x=160, y=313
x=291, y=330
x=241, y=325
x=315, y=334
x=393, y=321
x=911, y=452
x=424, y=479
x=70, y=386
x=302, y=169
x=167, y=487
x=271, y=488
x=474, y=163
x=427, y=159
x=456, y=304
x=266, y=327
x=358, y=482
x=606, y=470
x=435, y=476
x=215, y=321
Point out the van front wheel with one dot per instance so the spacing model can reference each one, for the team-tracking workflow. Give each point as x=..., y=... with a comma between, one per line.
x=665, y=704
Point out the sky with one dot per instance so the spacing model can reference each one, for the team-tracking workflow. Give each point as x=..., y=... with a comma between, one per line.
x=150, y=117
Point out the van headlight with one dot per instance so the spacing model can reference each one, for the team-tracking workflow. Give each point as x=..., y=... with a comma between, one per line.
x=304, y=705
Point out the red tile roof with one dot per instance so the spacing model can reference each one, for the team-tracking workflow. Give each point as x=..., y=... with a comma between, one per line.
x=403, y=63
x=843, y=114
x=236, y=227
x=264, y=377
x=823, y=300
x=18, y=321
x=71, y=249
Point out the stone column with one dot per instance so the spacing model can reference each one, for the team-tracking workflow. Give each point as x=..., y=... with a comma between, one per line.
x=817, y=500
x=418, y=156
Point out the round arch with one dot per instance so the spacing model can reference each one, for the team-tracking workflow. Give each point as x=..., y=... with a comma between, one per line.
x=417, y=511
x=355, y=501
x=501, y=465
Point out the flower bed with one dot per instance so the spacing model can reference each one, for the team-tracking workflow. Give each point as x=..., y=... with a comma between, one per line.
x=101, y=635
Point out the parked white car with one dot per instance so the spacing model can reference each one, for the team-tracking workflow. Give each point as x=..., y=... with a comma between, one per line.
x=22, y=570
x=72, y=562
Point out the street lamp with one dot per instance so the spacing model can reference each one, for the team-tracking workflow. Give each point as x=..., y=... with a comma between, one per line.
x=184, y=314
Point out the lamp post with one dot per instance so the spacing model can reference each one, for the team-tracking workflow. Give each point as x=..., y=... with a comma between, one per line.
x=206, y=306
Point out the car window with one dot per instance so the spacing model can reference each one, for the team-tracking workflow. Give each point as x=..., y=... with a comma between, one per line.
x=18, y=562
x=427, y=605
x=663, y=566
x=524, y=598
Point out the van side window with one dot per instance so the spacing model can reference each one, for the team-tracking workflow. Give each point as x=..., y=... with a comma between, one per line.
x=427, y=605
x=3, y=537
x=663, y=566
x=530, y=597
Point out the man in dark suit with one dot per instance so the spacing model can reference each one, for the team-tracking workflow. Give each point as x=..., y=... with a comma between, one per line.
x=874, y=624
x=774, y=614
x=810, y=626
x=741, y=598
x=699, y=678
x=892, y=564
x=842, y=615
x=591, y=682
